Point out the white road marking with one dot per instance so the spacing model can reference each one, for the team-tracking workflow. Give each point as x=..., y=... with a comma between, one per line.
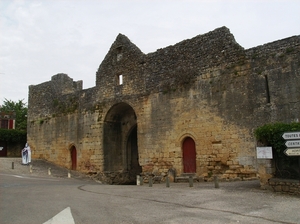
x=64, y=217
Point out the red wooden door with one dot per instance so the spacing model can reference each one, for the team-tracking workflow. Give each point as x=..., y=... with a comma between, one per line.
x=11, y=124
x=3, y=149
x=189, y=155
x=74, y=157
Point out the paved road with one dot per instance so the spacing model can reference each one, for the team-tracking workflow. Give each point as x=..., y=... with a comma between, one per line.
x=37, y=198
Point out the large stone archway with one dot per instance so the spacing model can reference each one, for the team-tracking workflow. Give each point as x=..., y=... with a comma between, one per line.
x=120, y=145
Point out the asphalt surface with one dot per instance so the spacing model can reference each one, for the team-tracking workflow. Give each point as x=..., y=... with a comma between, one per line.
x=37, y=197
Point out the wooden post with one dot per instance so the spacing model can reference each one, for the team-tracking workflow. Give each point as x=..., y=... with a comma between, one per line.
x=167, y=182
x=299, y=169
x=150, y=181
x=191, y=181
x=141, y=180
x=13, y=165
x=216, y=182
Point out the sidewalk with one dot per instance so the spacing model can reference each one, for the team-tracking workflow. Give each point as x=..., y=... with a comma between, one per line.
x=39, y=168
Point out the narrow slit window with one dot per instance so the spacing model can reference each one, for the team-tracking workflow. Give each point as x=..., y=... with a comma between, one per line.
x=120, y=80
x=119, y=53
x=267, y=89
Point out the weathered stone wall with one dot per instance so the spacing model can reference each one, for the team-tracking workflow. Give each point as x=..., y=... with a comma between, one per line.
x=56, y=96
x=291, y=187
x=208, y=88
x=224, y=149
x=14, y=149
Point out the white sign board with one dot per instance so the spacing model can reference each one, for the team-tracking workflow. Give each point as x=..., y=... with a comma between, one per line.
x=291, y=135
x=292, y=143
x=292, y=152
x=264, y=152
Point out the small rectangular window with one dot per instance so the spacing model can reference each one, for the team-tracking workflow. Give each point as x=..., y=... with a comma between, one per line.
x=120, y=79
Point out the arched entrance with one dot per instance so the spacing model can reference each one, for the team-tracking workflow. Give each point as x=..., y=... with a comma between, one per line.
x=73, y=157
x=120, y=144
x=189, y=155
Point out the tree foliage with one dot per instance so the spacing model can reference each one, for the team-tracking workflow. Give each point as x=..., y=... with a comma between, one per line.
x=271, y=135
x=12, y=135
x=20, y=108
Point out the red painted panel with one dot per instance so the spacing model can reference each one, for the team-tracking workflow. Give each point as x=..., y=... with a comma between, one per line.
x=189, y=156
x=11, y=124
x=3, y=151
x=74, y=158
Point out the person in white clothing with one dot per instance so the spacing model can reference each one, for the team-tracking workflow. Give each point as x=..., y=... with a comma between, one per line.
x=28, y=153
x=24, y=154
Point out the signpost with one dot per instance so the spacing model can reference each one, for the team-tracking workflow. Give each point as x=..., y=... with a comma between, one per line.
x=292, y=152
x=293, y=145
x=291, y=135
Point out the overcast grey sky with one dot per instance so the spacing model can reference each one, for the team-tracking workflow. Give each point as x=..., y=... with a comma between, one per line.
x=40, y=38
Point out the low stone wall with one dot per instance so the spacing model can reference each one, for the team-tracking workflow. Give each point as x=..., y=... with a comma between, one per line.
x=14, y=149
x=285, y=186
x=115, y=177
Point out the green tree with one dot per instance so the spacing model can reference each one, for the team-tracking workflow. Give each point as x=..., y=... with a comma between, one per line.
x=20, y=108
x=271, y=135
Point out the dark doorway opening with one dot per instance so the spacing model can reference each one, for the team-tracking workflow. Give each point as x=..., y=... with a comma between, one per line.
x=134, y=167
x=73, y=158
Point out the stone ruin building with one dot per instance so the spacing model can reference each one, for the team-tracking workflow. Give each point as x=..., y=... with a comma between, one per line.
x=186, y=109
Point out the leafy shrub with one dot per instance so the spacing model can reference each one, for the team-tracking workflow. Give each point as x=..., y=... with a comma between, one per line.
x=271, y=135
x=12, y=135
